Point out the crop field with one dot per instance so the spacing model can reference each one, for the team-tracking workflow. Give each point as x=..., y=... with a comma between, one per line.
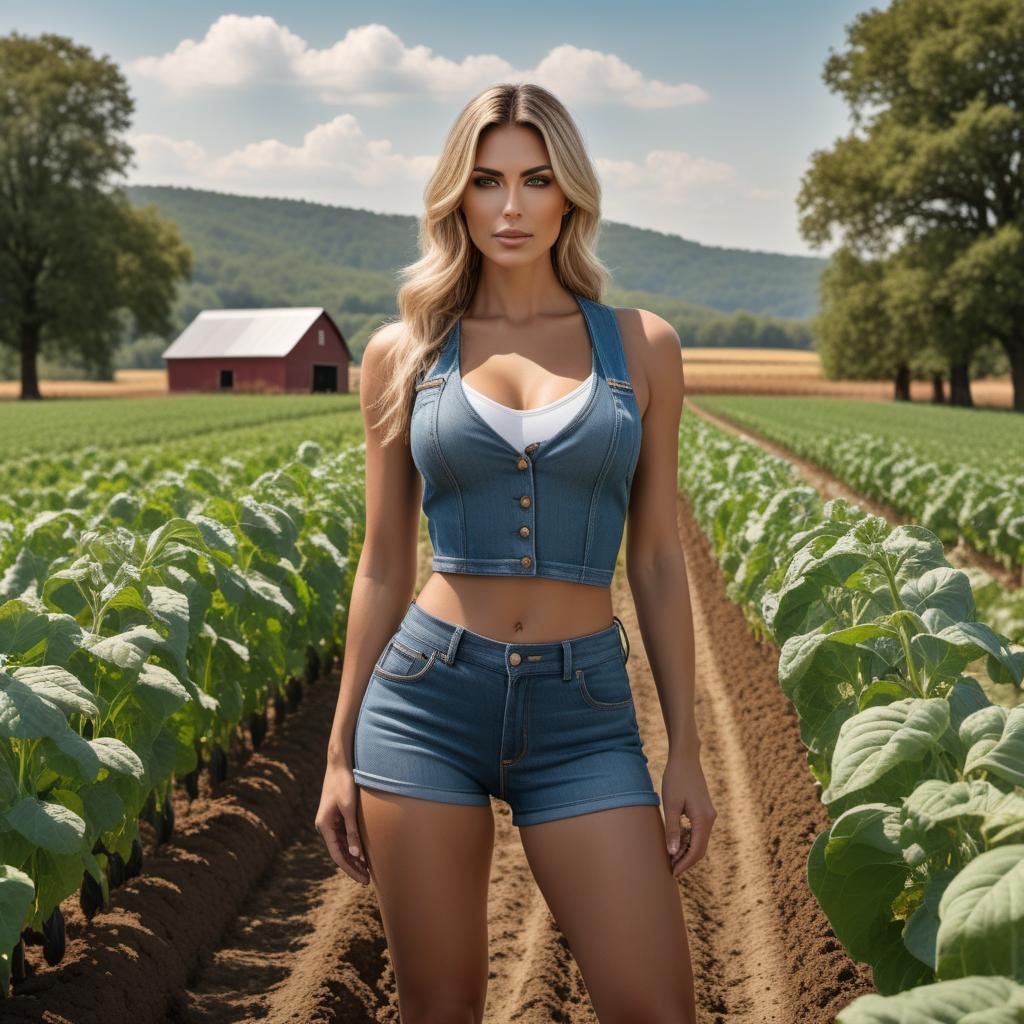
x=176, y=576
x=987, y=439
x=959, y=472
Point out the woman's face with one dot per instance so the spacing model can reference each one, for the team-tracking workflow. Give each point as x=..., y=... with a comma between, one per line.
x=512, y=187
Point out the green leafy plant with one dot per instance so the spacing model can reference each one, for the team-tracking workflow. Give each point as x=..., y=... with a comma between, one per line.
x=881, y=653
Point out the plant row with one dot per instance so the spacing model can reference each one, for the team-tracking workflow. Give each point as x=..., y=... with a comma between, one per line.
x=953, y=499
x=137, y=629
x=921, y=874
x=37, y=480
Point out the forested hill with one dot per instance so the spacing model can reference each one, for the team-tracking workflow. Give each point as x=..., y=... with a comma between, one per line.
x=263, y=251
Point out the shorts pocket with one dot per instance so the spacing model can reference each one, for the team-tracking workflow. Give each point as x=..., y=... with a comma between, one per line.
x=405, y=659
x=605, y=685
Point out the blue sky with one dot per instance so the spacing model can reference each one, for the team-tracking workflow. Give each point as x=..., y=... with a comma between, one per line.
x=700, y=117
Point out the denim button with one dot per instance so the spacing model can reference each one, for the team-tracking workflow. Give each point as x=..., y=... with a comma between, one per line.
x=525, y=561
x=525, y=501
x=515, y=657
x=522, y=464
x=524, y=531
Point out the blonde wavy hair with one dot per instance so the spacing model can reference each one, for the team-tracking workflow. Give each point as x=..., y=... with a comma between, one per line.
x=438, y=286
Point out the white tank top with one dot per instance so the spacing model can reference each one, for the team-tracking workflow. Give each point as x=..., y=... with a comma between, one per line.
x=521, y=427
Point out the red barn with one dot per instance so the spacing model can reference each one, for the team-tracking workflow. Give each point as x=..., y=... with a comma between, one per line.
x=296, y=349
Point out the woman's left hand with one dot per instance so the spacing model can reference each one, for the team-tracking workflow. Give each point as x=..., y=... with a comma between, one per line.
x=684, y=791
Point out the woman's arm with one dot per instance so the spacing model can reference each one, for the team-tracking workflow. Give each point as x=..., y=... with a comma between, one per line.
x=382, y=589
x=386, y=574
x=655, y=566
x=656, y=571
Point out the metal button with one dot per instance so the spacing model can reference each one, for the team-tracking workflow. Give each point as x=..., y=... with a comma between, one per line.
x=525, y=501
x=524, y=531
x=515, y=657
x=531, y=447
x=522, y=464
x=525, y=561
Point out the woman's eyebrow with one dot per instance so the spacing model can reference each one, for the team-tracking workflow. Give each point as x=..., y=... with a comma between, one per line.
x=522, y=174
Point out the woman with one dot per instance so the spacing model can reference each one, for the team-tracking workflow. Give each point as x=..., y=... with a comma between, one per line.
x=535, y=414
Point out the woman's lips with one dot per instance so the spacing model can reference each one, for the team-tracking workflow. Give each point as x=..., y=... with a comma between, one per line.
x=513, y=241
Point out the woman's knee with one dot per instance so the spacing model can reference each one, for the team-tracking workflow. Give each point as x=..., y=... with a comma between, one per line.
x=442, y=1009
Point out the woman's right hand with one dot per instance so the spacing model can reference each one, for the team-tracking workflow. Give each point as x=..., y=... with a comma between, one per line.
x=337, y=823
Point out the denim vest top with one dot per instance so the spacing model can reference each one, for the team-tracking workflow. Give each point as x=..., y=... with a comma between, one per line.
x=556, y=509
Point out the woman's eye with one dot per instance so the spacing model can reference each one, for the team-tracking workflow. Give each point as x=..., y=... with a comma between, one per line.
x=541, y=179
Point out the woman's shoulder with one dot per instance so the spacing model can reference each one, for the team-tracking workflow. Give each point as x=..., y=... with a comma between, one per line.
x=385, y=337
x=651, y=347
x=641, y=328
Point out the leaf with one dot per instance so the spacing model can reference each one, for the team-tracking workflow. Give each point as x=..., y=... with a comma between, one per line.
x=975, y=999
x=994, y=740
x=982, y=917
x=877, y=740
x=47, y=824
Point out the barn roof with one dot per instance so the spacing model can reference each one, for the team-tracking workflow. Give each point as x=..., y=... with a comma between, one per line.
x=216, y=333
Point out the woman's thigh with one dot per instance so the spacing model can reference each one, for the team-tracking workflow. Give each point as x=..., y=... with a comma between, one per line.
x=430, y=865
x=607, y=879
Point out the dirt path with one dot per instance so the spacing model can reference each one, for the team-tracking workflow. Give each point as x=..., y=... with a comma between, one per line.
x=829, y=486
x=302, y=943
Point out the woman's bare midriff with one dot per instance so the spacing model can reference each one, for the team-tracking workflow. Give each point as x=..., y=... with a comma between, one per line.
x=517, y=610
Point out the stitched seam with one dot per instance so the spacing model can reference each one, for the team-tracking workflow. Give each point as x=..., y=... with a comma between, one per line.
x=451, y=476
x=620, y=349
x=410, y=651
x=600, y=705
x=588, y=800
x=526, y=730
x=406, y=679
x=359, y=716
x=595, y=496
x=428, y=641
x=414, y=785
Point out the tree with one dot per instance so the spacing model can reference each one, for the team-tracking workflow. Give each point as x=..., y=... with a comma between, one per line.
x=940, y=151
x=854, y=332
x=75, y=257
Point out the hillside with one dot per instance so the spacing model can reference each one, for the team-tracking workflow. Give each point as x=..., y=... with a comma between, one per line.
x=264, y=251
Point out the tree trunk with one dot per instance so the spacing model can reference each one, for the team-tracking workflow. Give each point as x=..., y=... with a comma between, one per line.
x=960, y=385
x=938, y=389
x=901, y=385
x=1015, y=352
x=29, y=352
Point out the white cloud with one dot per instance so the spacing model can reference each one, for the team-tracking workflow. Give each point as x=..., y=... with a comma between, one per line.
x=668, y=174
x=333, y=153
x=340, y=152
x=371, y=65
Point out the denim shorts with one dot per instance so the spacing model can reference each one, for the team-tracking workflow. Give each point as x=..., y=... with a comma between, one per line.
x=550, y=728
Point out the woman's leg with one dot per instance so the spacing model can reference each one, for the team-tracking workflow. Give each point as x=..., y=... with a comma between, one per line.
x=430, y=865
x=607, y=879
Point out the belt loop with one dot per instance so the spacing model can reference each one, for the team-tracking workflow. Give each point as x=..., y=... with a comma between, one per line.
x=453, y=644
x=567, y=659
x=625, y=637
